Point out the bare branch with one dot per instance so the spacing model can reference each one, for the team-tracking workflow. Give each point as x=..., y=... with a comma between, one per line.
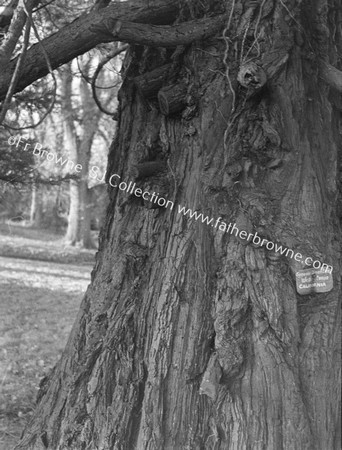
x=112, y=55
x=76, y=38
x=15, y=30
x=160, y=36
x=38, y=179
x=15, y=77
x=44, y=5
x=52, y=104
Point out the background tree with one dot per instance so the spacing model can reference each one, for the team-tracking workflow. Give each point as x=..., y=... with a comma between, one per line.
x=80, y=130
x=189, y=337
x=30, y=110
x=79, y=150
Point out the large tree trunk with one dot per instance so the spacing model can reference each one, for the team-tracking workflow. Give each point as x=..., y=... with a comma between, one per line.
x=188, y=337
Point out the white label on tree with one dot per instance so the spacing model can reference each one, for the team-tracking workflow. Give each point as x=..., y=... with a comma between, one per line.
x=313, y=281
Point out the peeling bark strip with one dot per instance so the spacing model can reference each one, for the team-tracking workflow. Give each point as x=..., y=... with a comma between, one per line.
x=76, y=38
x=159, y=36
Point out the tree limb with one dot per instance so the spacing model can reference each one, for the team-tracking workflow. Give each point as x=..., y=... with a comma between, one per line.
x=13, y=83
x=112, y=55
x=159, y=36
x=331, y=75
x=15, y=30
x=76, y=38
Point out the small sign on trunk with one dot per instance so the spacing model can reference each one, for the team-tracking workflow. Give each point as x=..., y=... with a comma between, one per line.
x=313, y=280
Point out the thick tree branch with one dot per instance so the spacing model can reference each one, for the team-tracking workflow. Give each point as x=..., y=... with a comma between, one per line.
x=160, y=36
x=77, y=38
x=331, y=75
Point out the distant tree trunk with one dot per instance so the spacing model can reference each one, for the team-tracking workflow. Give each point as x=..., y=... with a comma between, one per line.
x=189, y=337
x=99, y=201
x=79, y=149
x=36, y=207
x=70, y=145
x=86, y=238
x=90, y=122
x=33, y=208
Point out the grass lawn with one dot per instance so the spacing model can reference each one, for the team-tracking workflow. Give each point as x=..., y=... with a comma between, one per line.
x=25, y=242
x=39, y=301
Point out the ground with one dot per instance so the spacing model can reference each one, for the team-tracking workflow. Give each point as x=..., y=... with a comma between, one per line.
x=39, y=300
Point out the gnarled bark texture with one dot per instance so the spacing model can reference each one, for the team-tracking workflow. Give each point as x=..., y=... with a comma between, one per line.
x=189, y=338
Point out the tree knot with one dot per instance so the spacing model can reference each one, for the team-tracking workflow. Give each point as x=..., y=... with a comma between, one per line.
x=251, y=76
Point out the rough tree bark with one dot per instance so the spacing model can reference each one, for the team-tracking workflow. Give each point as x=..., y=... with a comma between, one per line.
x=189, y=338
